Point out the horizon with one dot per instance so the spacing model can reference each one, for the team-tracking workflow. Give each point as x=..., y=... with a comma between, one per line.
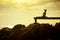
x=11, y=26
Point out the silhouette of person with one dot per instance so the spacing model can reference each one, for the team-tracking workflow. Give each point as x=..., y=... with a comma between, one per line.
x=44, y=14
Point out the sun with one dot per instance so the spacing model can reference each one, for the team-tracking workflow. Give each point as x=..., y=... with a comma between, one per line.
x=20, y=1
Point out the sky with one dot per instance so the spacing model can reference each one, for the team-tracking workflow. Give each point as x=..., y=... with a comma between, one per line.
x=14, y=12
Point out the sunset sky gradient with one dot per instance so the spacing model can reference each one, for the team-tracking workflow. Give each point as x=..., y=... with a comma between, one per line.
x=14, y=12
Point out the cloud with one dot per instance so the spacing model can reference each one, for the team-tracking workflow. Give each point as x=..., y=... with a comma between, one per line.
x=38, y=3
x=55, y=0
x=52, y=5
x=43, y=2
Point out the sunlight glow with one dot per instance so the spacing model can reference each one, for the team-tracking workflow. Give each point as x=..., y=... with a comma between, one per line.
x=20, y=1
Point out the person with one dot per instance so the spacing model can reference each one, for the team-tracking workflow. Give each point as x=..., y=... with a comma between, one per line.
x=44, y=14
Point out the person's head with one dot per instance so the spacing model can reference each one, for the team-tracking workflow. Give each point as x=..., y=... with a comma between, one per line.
x=45, y=10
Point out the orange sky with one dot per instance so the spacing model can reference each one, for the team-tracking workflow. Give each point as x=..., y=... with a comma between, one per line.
x=22, y=11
